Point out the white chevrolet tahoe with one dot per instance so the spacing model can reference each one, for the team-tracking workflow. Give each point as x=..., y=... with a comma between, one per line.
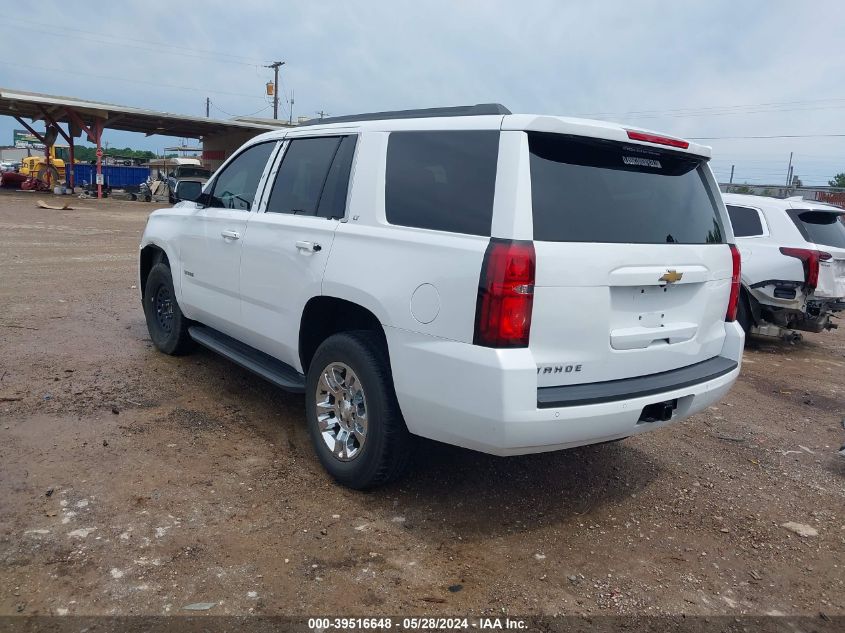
x=507, y=283
x=793, y=263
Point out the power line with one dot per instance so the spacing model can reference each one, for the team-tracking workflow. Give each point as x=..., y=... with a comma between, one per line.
x=217, y=107
x=242, y=60
x=726, y=138
x=704, y=109
x=143, y=48
x=735, y=112
x=132, y=81
x=770, y=161
x=285, y=93
x=817, y=157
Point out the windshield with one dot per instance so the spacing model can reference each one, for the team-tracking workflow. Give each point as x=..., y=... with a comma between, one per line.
x=193, y=172
x=821, y=227
x=593, y=190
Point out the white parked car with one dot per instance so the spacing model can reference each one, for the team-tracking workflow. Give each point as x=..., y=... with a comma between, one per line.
x=507, y=283
x=793, y=263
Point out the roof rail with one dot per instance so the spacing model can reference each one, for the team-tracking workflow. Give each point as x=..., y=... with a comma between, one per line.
x=470, y=110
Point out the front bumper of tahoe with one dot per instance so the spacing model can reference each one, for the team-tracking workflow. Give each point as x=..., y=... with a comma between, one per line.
x=488, y=400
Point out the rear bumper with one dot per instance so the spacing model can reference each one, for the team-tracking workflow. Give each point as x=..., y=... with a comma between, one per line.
x=487, y=400
x=639, y=386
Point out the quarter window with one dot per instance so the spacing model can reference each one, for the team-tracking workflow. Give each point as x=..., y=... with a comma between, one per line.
x=745, y=221
x=442, y=180
x=333, y=199
x=235, y=186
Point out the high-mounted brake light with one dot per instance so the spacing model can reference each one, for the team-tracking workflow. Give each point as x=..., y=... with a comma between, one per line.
x=634, y=135
x=505, y=294
x=810, y=259
x=733, y=302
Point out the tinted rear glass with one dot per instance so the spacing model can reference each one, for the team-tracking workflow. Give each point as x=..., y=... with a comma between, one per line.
x=590, y=190
x=442, y=180
x=821, y=227
x=745, y=222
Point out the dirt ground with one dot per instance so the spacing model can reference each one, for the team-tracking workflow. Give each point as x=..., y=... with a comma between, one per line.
x=136, y=483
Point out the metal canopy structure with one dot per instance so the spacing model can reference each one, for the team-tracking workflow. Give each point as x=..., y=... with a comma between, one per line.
x=92, y=117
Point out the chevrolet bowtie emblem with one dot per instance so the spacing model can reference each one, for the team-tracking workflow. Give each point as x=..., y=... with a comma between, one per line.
x=671, y=276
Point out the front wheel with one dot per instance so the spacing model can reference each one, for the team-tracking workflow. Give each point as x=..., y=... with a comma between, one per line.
x=167, y=325
x=353, y=417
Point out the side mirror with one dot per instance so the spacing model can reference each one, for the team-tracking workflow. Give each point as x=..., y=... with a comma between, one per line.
x=190, y=193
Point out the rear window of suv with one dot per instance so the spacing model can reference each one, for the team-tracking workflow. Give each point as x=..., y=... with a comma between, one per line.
x=592, y=190
x=820, y=227
x=442, y=180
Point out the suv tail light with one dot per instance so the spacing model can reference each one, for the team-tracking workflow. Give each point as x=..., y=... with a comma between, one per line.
x=636, y=135
x=505, y=294
x=733, y=302
x=810, y=259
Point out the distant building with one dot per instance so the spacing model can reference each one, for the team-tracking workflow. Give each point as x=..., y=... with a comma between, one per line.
x=829, y=195
x=16, y=154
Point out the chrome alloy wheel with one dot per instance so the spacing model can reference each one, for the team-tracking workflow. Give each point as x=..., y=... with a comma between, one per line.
x=341, y=411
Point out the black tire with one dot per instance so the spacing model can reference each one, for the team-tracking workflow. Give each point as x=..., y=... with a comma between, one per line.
x=743, y=313
x=386, y=452
x=167, y=325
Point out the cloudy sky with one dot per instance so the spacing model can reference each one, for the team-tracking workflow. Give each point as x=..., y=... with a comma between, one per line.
x=695, y=69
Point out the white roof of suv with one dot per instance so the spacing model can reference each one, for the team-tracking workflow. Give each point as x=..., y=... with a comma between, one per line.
x=456, y=119
x=795, y=202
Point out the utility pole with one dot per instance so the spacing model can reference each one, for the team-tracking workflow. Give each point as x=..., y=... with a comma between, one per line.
x=290, y=121
x=731, y=181
x=275, y=66
x=322, y=114
x=789, y=171
x=207, y=106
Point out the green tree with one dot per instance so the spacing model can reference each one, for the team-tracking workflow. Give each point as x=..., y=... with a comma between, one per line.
x=86, y=153
x=838, y=180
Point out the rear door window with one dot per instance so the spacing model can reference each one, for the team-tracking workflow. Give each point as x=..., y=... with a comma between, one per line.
x=302, y=175
x=442, y=180
x=820, y=227
x=592, y=190
x=745, y=221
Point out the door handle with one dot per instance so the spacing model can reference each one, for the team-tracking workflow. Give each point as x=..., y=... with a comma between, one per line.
x=311, y=247
x=230, y=235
